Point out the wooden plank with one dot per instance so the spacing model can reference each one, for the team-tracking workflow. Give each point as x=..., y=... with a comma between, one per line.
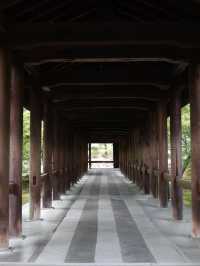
x=16, y=135
x=4, y=144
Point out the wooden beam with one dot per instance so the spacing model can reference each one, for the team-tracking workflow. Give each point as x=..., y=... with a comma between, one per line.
x=49, y=13
x=111, y=74
x=40, y=34
x=8, y=3
x=47, y=155
x=103, y=104
x=102, y=108
x=4, y=144
x=163, y=152
x=56, y=195
x=35, y=152
x=114, y=115
x=89, y=151
x=106, y=53
x=16, y=136
x=61, y=142
x=154, y=152
x=176, y=158
x=195, y=136
x=108, y=92
x=116, y=154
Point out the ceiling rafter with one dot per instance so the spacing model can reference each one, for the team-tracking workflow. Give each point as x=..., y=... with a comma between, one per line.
x=31, y=8
x=75, y=11
x=29, y=35
x=4, y=4
x=159, y=11
x=82, y=15
x=50, y=11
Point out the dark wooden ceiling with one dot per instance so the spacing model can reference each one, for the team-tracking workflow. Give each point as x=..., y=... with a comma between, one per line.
x=104, y=64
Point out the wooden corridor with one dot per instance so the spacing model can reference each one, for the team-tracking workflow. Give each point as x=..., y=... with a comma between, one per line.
x=105, y=220
x=104, y=71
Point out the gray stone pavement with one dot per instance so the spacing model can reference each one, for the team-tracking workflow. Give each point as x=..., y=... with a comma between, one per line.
x=105, y=220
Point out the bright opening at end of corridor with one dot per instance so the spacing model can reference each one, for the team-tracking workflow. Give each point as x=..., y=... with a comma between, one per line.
x=100, y=155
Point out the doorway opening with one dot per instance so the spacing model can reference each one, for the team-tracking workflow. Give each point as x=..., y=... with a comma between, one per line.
x=100, y=155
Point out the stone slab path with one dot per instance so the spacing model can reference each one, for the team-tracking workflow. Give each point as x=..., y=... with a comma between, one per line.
x=105, y=220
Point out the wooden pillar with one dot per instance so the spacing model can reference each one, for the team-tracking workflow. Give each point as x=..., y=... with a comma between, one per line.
x=47, y=156
x=16, y=136
x=62, y=185
x=176, y=160
x=55, y=179
x=67, y=160
x=70, y=159
x=74, y=158
x=90, y=164
x=195, y=139
x=163, y=153
x=154, y=143
x=116, y=154
x=4, y=144
x=35, y=153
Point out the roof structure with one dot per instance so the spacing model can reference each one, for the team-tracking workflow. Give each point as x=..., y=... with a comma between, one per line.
x=103, y=64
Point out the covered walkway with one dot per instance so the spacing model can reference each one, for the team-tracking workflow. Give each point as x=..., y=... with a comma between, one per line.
x=104, y=71
x=104, y=218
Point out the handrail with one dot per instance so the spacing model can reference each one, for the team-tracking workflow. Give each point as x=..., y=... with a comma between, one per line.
x=185, y=184
x=156, y=172
x=43, y=176
x=167, y=176
x=143, y=169
x=55, y=172
x=148, y=171
x=100, y=161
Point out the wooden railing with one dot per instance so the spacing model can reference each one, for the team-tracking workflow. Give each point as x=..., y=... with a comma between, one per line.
x=90, y=162
x=43, y=176
x=184, y=183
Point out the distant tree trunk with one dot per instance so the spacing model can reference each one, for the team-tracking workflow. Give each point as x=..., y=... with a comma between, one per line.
x=186, y=162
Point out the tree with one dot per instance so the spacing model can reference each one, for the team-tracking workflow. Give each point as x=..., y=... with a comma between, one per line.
x=186, y=137
x=26, y=142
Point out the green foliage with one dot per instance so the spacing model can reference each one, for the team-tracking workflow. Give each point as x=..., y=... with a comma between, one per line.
x=186, y=151
x=102, y=151
x=187, y=196
x=26, y=156
x=25, y=196
x=26, y=142
x=186, y=137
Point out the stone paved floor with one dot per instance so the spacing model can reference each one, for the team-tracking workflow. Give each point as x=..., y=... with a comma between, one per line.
x=105, y=219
